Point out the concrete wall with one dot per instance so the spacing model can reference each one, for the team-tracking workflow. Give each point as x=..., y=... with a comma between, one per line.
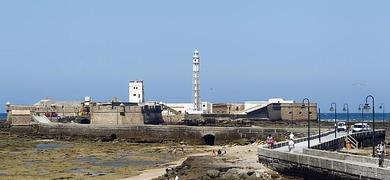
x=316, y=167
x=344, y=156
x=324, y=164
x=364, y=137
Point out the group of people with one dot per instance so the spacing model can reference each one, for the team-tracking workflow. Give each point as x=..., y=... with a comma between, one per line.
x=270, y=141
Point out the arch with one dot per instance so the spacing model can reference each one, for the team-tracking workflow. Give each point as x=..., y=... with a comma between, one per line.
x=85, y=121
x=209, y=139
x=113, y=137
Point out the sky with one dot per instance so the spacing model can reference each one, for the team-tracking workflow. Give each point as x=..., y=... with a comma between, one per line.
x=327, y=51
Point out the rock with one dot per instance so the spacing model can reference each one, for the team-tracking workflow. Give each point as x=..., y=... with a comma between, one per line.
x=231, y=174
x=212, y=173
x=250, y=172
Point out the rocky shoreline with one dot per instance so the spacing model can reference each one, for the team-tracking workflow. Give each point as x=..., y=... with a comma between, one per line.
x=239, y=162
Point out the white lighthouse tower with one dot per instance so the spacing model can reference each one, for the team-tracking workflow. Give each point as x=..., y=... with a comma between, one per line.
x=195, y=81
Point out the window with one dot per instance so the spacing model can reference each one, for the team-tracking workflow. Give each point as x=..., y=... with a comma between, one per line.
x=139, y=95
x=134, y=94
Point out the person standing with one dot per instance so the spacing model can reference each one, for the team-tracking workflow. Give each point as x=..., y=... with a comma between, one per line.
x=270, y=141
x=381, y=153
x=291, y=136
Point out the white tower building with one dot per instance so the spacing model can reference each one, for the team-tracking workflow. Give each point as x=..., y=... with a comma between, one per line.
x=195, y=81
x=136, y=92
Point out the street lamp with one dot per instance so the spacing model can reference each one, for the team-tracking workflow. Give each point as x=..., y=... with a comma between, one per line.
x=382, y=106
x=361, y=108
x=319, y=125
x=122, y=106
x=8, y=106
x=346, y=109
x=335, y=117
x=292, y=115
x=308, y=119
x=367, y=108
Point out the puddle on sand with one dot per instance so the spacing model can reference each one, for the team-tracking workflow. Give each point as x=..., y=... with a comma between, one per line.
x=78, y=170
x=2, y=173
x=50, y=146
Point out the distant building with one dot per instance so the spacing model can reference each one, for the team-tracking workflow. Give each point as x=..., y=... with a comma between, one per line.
x=136, y=92
x=186, y=108
x=86, y=112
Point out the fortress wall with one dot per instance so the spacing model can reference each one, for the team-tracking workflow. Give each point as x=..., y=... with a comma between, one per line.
x=147, y=133
x=298, y=113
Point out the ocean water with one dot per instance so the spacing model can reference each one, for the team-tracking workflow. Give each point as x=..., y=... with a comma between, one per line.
x=355, y=117
x=3, y=116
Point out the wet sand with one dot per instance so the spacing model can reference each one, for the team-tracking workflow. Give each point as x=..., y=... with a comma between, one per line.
x=27, y=158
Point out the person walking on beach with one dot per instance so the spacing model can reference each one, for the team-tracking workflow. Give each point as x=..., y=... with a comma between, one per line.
x=381, y=153
x=213, y=153
x=270, y=141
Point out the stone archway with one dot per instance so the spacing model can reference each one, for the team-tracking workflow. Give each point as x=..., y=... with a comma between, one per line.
x=85, y=121
x=209, y=139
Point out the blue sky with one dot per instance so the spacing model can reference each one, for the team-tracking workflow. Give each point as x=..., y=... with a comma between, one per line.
x=329, y=51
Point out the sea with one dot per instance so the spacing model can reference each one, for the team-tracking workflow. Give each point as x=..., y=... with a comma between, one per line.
x=3, y=116
x=355, y=117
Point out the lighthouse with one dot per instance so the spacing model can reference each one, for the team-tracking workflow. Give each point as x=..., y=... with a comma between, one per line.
x=195, y=81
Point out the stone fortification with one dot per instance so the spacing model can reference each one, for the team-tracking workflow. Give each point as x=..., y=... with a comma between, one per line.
x=117, y=115
x=111, y=113
x=148, y=133
x=294, y=112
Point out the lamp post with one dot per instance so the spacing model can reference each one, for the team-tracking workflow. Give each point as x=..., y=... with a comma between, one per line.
x=319, y=125
x=367, y=108
x=8, y=106
x=308, y=119
x=382, y=106
x=335, y=117
x=122, y=106
x=292, y=115
x=346, y=109
x=361, y=108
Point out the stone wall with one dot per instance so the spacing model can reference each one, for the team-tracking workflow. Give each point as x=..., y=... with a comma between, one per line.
x=224, y=108
x=20, y=120
x=117, y=115
x=148, y=133
x=61, y=110
x=294, y=112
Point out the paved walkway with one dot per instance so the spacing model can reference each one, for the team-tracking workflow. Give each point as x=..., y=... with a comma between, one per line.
x=299, y=146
